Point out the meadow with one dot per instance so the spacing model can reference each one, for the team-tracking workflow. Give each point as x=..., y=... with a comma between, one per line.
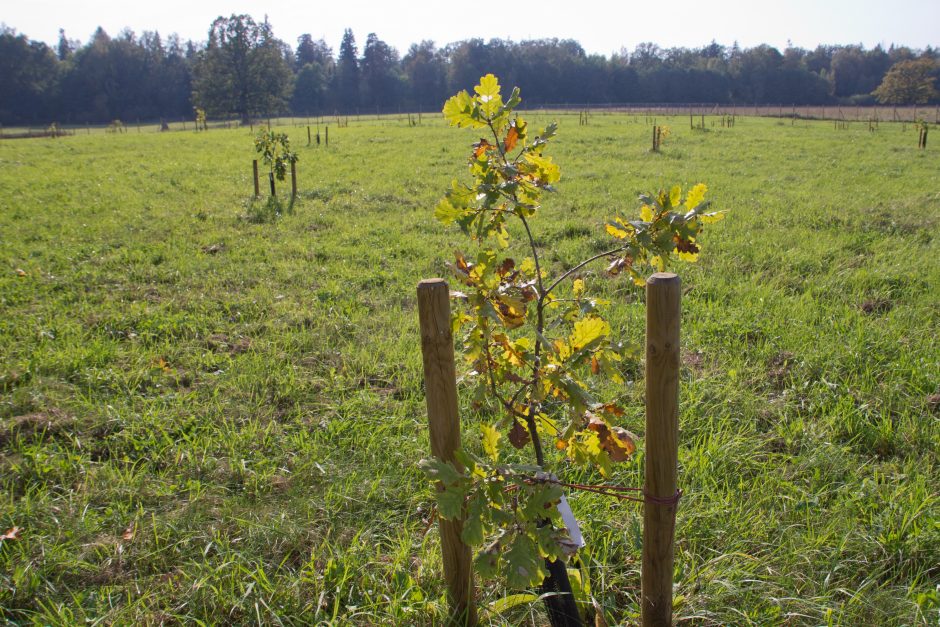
x=211, y=407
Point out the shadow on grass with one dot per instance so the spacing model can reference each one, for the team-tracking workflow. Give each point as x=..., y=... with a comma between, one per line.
x=265, y=211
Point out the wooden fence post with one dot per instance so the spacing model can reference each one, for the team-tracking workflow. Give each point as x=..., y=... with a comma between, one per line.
x=254, y=167
x=663, y=295
x=293, y=179
x=440, y=379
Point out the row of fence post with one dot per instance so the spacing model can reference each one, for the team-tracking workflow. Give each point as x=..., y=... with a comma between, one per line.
x=663, y=307
x=657, y=137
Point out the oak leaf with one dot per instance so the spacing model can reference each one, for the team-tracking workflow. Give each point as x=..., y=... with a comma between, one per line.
x=512, y=137
x=518, y=435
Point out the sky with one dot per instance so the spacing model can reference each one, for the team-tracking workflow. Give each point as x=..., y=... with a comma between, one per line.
x=600, y=27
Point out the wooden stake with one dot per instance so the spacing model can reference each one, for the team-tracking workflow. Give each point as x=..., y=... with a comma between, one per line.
x=663, y=294
x=326, y=141
x=293, y=179
x=440, y=379
x=308, y=135
x=254, y=166
x=271, y=180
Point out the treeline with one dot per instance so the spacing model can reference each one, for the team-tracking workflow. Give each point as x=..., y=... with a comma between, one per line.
x=244, y=70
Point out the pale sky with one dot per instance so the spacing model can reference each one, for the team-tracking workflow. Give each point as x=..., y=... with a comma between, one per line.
x=600, y=27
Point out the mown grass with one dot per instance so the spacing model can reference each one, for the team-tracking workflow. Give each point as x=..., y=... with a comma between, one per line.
x=212, y=408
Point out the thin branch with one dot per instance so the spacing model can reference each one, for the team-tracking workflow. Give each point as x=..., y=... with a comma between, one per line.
x=578, y=267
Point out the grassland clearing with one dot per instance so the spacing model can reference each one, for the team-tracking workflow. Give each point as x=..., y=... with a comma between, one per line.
x=212, y=406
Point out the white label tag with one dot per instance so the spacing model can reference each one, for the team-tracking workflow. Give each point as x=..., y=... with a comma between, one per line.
x=571, y=523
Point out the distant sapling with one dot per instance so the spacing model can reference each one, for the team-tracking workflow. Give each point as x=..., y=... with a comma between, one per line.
x=275, y=152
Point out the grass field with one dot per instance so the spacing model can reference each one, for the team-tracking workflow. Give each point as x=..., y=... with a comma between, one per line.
x=211, y=411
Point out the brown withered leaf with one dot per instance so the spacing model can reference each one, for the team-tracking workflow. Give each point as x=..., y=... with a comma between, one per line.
x=619, y=443
x=518, y=435
x=512, y=377
x=502, y=340
x=528, y=292
x=506, y=267
x=13, y=533
x=510, y=315
x=616, y=266
x=130, y=532
x=610, y=408
x=598, y=426
x=512, y=137
x=620, y=446
x=480, y=148
x=595, y=365
x=460, y=263
x=685, y=246
x=20, y=272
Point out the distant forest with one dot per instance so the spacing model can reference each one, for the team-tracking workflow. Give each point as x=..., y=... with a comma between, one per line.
x=242, y=70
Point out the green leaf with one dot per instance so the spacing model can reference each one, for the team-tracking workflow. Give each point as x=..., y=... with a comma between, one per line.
x=450, y=503
x=436, y=470
x=488, y=96
x=540, y=502
x=513, y=600
x=616, y=231
x=460, y=195
x=695, y=196
x=487, y=562
x=513, y=102
x=549, y=542
x=488, y=87
x=709, y=218
x=458, y=110
x=446, y=212
x=587, y=330
x=550, y=131
x=675, y=196
x=546, y=170
x=472, y=534
x=523, y=563
x=490, y=438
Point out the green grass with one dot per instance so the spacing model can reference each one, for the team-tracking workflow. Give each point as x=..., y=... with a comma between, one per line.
x=212, y=408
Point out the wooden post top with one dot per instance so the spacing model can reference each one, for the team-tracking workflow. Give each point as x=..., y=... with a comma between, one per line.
x=662, y=277
x=428, y=284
